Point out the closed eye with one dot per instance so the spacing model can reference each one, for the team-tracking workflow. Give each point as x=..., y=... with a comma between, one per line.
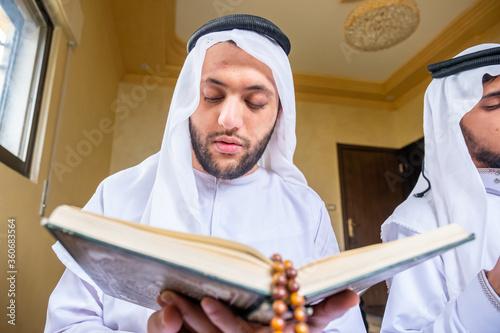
x=255, y=106
x=492, y=107
x=212, y=99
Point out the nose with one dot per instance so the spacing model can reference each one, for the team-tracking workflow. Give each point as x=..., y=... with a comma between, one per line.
x=231, y=114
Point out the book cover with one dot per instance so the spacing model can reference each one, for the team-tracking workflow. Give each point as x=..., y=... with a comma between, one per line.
x=139, y=278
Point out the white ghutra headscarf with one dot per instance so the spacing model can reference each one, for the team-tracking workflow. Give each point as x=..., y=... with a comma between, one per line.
x=457, y=190
x=174, y=196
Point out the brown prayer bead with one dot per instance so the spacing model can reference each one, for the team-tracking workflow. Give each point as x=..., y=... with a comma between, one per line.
x=279, y=307
x=278, y=266
x=279, y=293
x=291, y=273
x=288, y=264
x=276, y=257
x=279, y=279
x=277, y=323
x=296, y=299
x=293, y=286
x=301, y=328
x=300, y=314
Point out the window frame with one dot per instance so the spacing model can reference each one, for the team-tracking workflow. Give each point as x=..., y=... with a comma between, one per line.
x=37, y=84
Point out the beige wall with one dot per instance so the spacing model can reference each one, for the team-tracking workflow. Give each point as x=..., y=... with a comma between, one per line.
x=92, y=83
x=408, y=120
x=140, y=125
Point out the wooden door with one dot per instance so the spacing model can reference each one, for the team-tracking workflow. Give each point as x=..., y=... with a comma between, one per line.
x=371, y=189
x=410, y=158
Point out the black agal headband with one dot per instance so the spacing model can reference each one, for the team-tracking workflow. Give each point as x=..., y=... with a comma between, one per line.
x=243, y=22
x=466, y=62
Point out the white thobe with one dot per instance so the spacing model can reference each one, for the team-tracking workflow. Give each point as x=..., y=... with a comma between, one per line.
x=418, y=299
x=260, y=210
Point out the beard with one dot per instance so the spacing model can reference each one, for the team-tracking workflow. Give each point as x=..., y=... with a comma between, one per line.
x=210, y=164
x=479, y=152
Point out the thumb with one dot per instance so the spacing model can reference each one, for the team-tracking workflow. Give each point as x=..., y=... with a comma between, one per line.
x=166, y=320
x=332, y=308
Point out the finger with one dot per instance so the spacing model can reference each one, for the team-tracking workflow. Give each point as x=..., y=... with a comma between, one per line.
x=223, y=318
x=332, y=308
x=167, y=320
x=192, y=315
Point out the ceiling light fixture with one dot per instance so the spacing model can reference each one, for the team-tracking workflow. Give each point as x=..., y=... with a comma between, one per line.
x=379, y=24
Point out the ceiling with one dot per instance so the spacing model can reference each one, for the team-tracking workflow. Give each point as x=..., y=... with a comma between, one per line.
x=154, y=33
x=315, y=29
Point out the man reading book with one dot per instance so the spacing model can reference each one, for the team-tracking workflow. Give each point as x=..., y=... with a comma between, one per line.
x=224, y=169
x=458, y=291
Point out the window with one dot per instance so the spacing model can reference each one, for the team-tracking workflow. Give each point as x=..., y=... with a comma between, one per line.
x=25, y=32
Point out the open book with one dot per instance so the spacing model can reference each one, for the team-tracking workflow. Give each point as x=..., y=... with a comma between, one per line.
x=135, y=263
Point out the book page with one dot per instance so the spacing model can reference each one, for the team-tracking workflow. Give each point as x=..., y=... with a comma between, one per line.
x=63, y=212
x=392, y=257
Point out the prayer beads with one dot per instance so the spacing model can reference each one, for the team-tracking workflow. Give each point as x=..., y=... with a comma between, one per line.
x=285, y=290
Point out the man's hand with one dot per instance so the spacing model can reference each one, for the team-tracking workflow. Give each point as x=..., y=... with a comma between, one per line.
x=494, y=277
x=178, y=314
x=213, y=316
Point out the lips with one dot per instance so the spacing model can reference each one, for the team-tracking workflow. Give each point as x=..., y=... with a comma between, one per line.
x=227, y=145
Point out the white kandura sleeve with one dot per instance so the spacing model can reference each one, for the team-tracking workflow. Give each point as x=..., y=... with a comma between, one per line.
x=75, y=305
x=325, y=245
x=418, y=302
